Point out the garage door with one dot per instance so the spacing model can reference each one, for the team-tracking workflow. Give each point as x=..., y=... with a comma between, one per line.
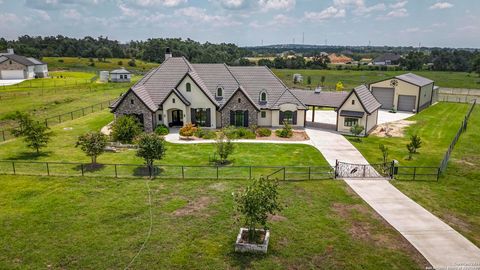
x=12, y=74
x=384, y=96
x=406, y=103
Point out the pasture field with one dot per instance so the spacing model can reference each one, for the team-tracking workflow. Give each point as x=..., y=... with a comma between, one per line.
x=456, y=197
x=78, y=63
x=351, y=78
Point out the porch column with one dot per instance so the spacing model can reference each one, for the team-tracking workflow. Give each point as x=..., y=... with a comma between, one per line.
x=313, y=114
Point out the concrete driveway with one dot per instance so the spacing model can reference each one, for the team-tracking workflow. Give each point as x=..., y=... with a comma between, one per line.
x=330, y=116
x=10, y=82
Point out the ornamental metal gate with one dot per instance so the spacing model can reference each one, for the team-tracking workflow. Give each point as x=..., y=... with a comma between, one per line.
x=351, y=170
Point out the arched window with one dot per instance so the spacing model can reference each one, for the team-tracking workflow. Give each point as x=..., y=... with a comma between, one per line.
x=353, y=101
x=263, y=96
x=219, y=92
x=188, y=87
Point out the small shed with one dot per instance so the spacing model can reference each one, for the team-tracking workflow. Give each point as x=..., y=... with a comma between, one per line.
x=104, y=76
x=360, y=107
x=120, y=75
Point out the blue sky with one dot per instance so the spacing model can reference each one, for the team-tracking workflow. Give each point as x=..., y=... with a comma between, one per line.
x=444, y=23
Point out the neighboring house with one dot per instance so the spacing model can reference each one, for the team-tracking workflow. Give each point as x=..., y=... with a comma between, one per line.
x=210, y=95
x=120, y=75
x=407, y=92
x=339, y=59
x=15, y=67
x=359, y=107
x=387, y=59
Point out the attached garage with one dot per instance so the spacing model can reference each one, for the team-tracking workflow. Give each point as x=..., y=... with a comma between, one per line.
x=406, y=103
x=385, y=96
x=12, y=74
x=407, y=92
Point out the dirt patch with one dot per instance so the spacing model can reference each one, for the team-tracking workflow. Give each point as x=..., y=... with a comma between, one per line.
x=276, y=218
x=195, y=207
x=392, y=129
x=298, y=135
x=457, y=222
x=218, y=186
x=461, y=161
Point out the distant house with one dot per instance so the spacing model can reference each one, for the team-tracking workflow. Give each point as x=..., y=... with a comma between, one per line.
x=387, y=59
x=120, y=75
x=17, y=67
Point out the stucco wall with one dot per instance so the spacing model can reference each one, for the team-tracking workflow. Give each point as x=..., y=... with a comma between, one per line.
x=243, y=105
x=126, y=107
x=169, y=105
x=426, y=94
x=288, y=107
x=351, y=107
x=403, y=88
x=198, y=100
x=267, y=121
x=372, y=121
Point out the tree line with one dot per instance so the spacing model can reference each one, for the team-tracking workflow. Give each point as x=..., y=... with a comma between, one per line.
x=443, y=60
x=151, y=50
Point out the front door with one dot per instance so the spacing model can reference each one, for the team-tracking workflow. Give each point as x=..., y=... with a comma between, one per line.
x=239, y=119
x=177, y=117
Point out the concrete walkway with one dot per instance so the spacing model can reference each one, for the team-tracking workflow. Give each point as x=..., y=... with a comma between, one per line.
x=441, y=245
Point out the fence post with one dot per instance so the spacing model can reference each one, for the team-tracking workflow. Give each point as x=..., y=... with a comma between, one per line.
x=46, y=122
x=217, y=172
x=3, y=135
x=392, y=170
x=335, y=169
x=250, y=174
x=116, y=174
x=71, y=115
x=81, y=166
x=309, y=172
x=284, y=174
x=13, y=166
x=48, y=169
x=414, y=173
x=438, y=173
x=183, y=173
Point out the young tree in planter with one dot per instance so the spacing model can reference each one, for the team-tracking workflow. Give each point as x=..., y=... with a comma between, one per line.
x=356, y=130
x=36, y=135
x=93, y=144
x=224, y=147
x=151, y=147
x=384, y=151
x=255, y=203
x=125, y=129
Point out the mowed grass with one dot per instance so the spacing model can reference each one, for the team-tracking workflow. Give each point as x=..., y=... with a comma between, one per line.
x=77, y=63
x=351, y=79
x=57, y=79
x=456, y=197
x=83, y=223
x=62, y=148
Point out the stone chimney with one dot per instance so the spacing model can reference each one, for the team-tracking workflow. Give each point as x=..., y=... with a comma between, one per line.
x=168, y=53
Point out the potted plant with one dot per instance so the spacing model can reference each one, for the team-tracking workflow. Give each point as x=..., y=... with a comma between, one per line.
x=255, y=203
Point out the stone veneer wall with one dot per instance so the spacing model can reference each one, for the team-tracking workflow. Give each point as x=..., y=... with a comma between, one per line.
x=234, y=105
x=137, y=107
x=5, y=65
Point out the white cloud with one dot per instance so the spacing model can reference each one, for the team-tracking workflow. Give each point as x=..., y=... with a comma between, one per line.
x=232, y=4
x=43, y=15
x=267, y=5
x=441, y=5
x=130, y=12
x=361, y=10
x=72, y=14
x=166, y=3
x=399, y=4
x=328, y=13
x=396, y=13
x=201, y=15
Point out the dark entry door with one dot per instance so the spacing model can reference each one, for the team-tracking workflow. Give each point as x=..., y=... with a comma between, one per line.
x=177, y=116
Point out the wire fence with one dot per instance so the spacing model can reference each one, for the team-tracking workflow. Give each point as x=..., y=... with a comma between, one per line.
x=286, y=173
x=463, y=128
x=6, y=134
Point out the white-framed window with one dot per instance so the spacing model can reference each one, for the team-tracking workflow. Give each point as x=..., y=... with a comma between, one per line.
x=350, y=122
x=263, y=96
x=219, y=92
x=288, y=117
x=263, y=114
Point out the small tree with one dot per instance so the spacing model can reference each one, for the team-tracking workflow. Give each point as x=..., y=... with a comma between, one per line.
x=255, y=203
x=36, y=135
x=339, y=86
x=322, y=80
x=224, y=147
x=416, y=142
x=411, y=150
x=309, y=80
x=125, y=129
x=384, y=151
x=356, y=130
x=93, y=144
x=151, y=147
x=103, y=53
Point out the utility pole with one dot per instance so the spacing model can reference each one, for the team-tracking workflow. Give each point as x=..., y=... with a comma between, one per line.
x=303, y=38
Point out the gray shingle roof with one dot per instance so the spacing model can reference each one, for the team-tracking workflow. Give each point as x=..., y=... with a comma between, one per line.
x=414, y=79
x=386, y=57
x=20, y=59
x=120, y=71
x=322, y=99
x=369, y=102
x=158, y=83
x=348, y=113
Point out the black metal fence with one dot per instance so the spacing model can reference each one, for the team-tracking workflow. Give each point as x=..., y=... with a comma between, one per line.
x=416, y=173
x=287, y=173
x=463, y=128
x=6, y=134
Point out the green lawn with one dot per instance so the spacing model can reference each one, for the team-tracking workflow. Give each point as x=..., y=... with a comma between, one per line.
x=77, y=63
x=456, y=197
x=57, y=79
x=351, y=79
x=84, y=223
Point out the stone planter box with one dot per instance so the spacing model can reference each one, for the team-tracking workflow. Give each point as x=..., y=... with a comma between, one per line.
x=242, y=246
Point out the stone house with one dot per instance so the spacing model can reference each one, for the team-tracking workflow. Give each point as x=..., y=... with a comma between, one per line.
x=16, y=67
x=211, y=96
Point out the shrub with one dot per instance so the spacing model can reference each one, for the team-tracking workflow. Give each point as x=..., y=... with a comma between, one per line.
x=120, y=63
x=285, y=132
x=60, y=60
x=188, y=130
x=206, y=134
x=264, y=132
x=356, y=130
x=125, y=129
x=239, y=133
x=132, y=63
x=162, y=130
x=224, y=147
x=93, y=144
x=255, y=203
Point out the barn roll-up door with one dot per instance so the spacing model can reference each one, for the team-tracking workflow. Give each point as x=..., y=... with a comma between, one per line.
x=406, y=103
x=12, y=74
x=384, y=96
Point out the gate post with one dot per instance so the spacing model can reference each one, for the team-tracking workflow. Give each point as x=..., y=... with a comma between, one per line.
x=336, y=169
